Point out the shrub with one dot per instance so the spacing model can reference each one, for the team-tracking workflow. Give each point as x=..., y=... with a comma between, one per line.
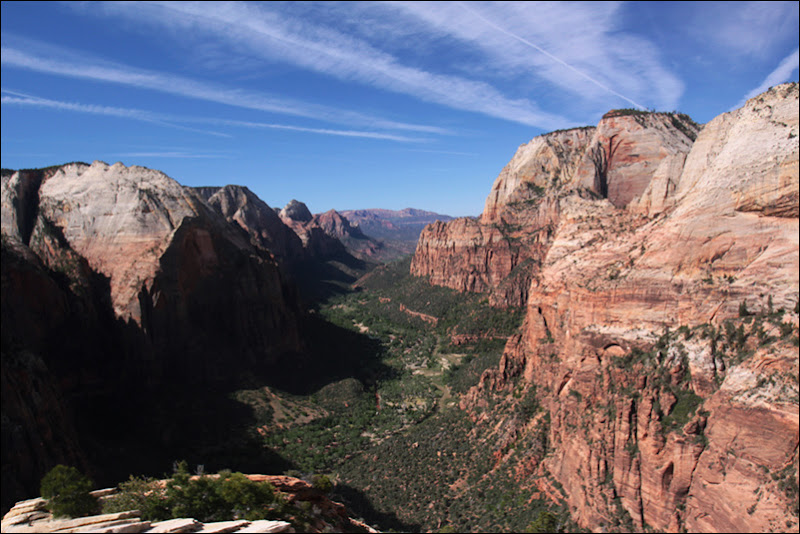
x=322, y=482
x=67, y=492
x=245, y=498
x=685, y=407
x=743, y=311
x=198, y=498
x=546, y=521
x=224, y=497
x=143, y=494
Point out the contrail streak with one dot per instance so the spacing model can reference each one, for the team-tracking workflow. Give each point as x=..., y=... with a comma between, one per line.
x=551, y=56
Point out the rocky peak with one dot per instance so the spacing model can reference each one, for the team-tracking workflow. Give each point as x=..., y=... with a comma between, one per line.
x=336, y=225
x=296, y=211
x=632, y=160
x=267, y=230
x=634, y=154
x=544, y=164
x=127, y=281
x=357, y=243
x=118, y=218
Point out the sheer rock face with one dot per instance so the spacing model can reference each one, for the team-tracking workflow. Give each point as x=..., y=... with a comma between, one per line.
x=635, y=160
x=499, y=252
x=119, y=280
x=612, y=275
x=240, y=205
x=118, y=218
x=171, y=262
x=38, y=430
x=540, y=166
x=316, y=241
x=357, y=243
x=632, y=160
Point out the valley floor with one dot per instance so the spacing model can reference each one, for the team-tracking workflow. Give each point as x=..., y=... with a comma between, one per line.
x=404, y=455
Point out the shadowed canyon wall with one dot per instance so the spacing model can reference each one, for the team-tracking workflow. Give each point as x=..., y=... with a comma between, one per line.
x=119, y=285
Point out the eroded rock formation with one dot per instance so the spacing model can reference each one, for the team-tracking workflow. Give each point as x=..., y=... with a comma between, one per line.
x=660, y=337
x=119, y=282
x=355, y=241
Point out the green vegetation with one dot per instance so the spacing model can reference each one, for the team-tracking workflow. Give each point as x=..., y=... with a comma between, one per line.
x=428, y=343
x=546, y=521
x=623, y=112
x=67, y=492
x=786, y=479
x=207, y=498
x=684, y=409
x=441, y=472
x=386, y=433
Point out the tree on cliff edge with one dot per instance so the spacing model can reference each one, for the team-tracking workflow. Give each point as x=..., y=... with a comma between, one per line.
x=67, y=492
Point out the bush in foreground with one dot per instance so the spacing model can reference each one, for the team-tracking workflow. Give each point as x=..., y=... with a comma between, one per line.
x=224, y=497
x=67, y=492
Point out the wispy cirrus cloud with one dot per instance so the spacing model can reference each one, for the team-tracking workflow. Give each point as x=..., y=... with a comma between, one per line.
x=746, y=29
x=323, y=131
x=547, y=54
x=782, y=73
x=65, y=63
x=172, y=154
x=14, y=98
x=278, y=35
x=578, y=48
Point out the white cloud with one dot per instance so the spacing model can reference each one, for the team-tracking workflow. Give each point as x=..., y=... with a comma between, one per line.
x=782, y=73
x=66, y=64
x=12, y=98
x=578, y=47
x=749, y=29
x=282, y=37
x=20, y=99
x=324, y=131
x=500, y=59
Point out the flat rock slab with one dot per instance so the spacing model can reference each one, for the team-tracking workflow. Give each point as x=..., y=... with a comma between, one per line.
x=24, y=507
x=265, y=526
x=175, y=526
x=66, y=525
x=222, y=527
x=123, y=526
x=24, y=517
x=106, y=492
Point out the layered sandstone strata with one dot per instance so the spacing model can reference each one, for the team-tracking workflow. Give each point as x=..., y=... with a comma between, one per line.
x=633, y=159
x=677, y=234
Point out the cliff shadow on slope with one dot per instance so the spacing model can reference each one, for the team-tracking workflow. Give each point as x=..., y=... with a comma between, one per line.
x=135, y=351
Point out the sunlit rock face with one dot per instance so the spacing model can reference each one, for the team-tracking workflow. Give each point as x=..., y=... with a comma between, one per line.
x=650, y=225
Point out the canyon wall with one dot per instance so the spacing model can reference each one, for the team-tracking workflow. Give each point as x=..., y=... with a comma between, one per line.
x=120, y=287
x=660, y=337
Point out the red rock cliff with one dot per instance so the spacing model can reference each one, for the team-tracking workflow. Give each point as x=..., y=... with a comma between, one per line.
x=661, y=329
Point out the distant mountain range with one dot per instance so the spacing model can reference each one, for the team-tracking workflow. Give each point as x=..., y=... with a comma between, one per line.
x=398, y=230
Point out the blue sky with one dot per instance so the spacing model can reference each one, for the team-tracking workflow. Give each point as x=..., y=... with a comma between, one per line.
x=363, y=105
